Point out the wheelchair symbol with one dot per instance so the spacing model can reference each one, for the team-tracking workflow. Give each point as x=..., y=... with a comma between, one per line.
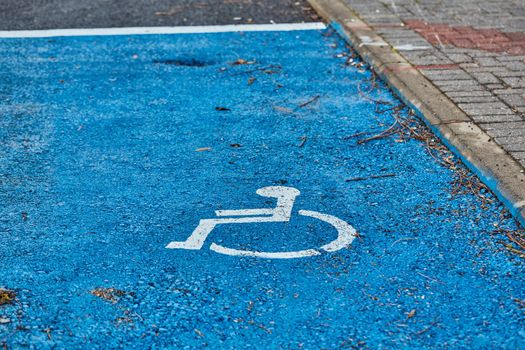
x=281, y=213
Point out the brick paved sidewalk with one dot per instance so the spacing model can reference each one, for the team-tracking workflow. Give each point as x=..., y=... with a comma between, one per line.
x=472, y=50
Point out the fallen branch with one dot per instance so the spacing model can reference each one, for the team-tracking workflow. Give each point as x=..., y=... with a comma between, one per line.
x=315, y=98
x=383, y=134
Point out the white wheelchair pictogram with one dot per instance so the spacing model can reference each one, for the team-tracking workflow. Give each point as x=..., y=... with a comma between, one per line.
x=281, y=213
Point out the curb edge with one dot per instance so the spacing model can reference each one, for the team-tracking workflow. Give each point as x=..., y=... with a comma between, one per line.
x=476, y=149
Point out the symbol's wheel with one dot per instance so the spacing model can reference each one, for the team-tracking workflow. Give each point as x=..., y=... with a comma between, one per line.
x=345, y=236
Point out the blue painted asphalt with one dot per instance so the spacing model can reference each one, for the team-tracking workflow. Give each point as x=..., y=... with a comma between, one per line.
x=112, y=147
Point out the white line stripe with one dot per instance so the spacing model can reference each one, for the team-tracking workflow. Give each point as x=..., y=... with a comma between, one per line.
x=161, y=30
x=266, y=255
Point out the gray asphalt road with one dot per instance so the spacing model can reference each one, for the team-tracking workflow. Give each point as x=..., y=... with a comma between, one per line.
x=47, y=14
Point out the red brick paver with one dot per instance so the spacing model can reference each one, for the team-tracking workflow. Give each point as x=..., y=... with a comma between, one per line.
x=470, y=38
x=472, y=50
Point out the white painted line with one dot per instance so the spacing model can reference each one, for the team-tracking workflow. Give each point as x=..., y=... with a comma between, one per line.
x=410, y=47
x=47, y=33
x=281, y=213
x=520, y=204
x=265, y=255
x=345, y=232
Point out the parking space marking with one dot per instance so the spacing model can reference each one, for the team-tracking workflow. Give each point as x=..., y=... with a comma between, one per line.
x=281, y=27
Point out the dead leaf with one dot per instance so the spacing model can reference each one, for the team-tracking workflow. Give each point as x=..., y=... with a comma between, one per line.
x=7, y=296
x=202, y=149
x=241, y=62
x=109, y=294
x=123, y=320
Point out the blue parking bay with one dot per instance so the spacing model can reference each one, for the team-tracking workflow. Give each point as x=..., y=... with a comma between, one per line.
x=234, y=190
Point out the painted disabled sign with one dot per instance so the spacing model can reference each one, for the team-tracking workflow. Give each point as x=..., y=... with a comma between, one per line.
x=281, y=213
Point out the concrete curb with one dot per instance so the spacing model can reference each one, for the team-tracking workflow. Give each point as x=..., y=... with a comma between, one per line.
x=496, y=168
